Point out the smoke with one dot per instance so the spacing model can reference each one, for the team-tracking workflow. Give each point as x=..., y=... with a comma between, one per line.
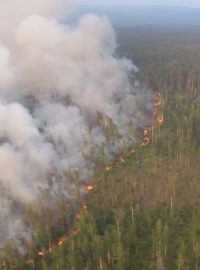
x=63, y=96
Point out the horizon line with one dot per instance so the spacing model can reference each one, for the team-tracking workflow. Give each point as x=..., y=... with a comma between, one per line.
x=136, y=5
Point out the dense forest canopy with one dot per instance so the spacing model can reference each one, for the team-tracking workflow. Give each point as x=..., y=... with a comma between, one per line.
x=144, y=212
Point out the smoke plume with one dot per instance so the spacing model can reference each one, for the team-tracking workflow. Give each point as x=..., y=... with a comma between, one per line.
x=64, y=95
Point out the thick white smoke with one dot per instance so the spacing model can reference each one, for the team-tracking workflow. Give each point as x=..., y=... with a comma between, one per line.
x=63, y=93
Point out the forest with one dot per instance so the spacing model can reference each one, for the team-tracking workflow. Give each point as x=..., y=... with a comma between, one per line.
x=143, y=211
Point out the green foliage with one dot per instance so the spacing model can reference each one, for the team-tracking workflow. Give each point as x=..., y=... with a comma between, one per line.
x=144, y=213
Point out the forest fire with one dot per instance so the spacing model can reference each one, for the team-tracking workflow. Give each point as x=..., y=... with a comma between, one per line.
x=41, y=254
x=146, y=131
x=61, y=241
x=149, y=129
x=108, y=168
x=90, y=187
x=157, y=103
x=121, y=160
x=160, y=118
x=157, y=100
x=147, y=140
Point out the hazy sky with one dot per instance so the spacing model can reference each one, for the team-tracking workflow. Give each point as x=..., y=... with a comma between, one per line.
x=190, y=3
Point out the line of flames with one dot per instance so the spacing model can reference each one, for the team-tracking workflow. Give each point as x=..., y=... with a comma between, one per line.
x=159, y=118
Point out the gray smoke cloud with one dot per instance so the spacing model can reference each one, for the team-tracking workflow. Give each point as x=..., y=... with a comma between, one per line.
x=63, y=93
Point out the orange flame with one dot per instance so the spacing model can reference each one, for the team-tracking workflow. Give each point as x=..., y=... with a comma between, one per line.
x=147, y=140
x=157, y=103
x=90, y=187
x=41, y=254
x=61, y=242
x=108, y=168
x=157, y=100
x=160, y=118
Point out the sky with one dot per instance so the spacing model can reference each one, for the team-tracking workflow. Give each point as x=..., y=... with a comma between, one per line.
x=188, y=3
